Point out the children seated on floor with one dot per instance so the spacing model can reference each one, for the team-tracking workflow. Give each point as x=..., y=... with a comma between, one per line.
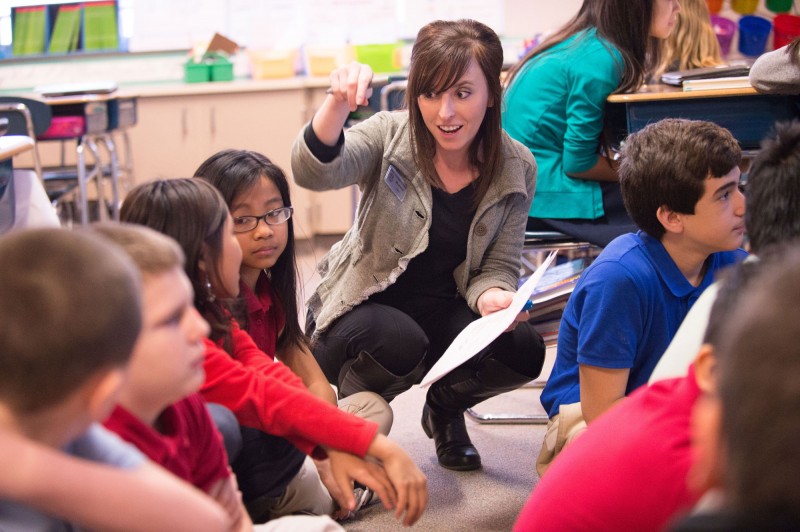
x=680, y=182
x=69, y=316
x=629, y=469
x=746, y=430
x=159, y=410
x=263, y=394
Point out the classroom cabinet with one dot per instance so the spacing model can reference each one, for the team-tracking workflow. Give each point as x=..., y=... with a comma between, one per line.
x=176, y=132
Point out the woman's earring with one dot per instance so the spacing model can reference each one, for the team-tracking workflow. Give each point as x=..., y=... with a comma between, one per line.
x=210, y=297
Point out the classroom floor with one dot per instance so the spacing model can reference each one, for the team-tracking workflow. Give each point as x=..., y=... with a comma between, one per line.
x=488, y=499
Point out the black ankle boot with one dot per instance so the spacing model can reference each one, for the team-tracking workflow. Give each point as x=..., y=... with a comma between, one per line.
x=448, y=398
x=454, y=449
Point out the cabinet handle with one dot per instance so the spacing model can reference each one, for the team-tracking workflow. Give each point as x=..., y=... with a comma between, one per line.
x=213, y=121
x=184, y=122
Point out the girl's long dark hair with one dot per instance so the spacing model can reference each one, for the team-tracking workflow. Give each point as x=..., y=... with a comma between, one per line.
x=193, y=213
x=623, y=23
x=236, y=172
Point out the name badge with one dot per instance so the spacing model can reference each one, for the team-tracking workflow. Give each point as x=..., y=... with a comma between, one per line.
x=396, y=182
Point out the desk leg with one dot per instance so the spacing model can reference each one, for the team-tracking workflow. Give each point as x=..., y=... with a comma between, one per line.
x=84, y=202
x=108, y=142
x=97, y=174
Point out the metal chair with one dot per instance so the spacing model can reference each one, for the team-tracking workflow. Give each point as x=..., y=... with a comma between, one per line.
x=33, y=117
x=393, y=95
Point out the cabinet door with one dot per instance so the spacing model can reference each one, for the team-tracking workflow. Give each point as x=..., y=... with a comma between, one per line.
x=171, y=137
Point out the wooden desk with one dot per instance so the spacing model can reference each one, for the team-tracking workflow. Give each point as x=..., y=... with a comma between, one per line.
x=104, y=114
x=747, y=114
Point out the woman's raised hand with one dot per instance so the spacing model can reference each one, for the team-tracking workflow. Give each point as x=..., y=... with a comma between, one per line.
x=351, y=84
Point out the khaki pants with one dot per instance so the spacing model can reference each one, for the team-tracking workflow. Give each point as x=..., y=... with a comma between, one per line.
x=562, y=428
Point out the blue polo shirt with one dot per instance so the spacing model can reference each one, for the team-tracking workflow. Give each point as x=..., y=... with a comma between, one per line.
x=623, y=313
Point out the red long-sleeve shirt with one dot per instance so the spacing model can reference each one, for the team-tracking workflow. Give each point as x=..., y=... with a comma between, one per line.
x=266, y=395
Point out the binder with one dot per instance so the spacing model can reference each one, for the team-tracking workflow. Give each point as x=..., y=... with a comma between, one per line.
x=29, y=30
x=100, y=26
x=64, y=37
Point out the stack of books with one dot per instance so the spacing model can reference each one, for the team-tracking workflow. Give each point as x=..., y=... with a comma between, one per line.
x=730, y=76
x=551, y=295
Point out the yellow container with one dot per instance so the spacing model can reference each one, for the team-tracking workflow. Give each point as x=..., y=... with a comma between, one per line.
x=272, y=64
x=322, y=62
x=744, y=7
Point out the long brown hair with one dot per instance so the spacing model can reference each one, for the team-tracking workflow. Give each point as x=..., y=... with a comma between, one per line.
x=192, y=212
x=442, y=54
x=623, y=23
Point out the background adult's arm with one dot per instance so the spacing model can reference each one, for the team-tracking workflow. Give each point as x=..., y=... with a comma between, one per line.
x=593, y=79
x=775, y=73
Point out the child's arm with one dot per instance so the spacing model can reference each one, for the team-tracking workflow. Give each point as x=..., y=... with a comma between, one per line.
x=408, y=481
x=603, y=170
x=304, y=365
x=226, y=493
x=98, y=496
x=601, y=388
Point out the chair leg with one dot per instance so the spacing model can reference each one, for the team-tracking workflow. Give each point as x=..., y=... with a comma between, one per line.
x=511, y=419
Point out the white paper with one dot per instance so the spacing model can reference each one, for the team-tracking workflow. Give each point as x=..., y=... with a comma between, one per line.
x=483, y=331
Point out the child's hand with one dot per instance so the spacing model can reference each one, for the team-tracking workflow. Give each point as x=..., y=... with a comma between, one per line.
x=351, y=84
x=409, y=482
x=326, y=476
x=346, y=467
x=226, y=493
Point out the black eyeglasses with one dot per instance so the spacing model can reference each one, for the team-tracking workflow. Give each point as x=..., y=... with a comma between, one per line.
x=243, y=224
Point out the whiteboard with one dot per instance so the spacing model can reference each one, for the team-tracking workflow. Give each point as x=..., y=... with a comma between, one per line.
x=287, y=24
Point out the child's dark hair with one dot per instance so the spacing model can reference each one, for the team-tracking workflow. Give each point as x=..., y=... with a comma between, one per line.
x=70, y=308
x=667, y=163
x=772, y=215
x=193, y=213
x=758, y=387
x=236, y=172
x=623, y=23
x=733, y=283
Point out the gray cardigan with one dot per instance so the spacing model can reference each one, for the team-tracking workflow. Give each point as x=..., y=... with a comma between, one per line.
x=392, y=222
x=775, y=73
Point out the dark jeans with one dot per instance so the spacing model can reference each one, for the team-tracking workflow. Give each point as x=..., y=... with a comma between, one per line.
x=600, y=231
x=399, y=340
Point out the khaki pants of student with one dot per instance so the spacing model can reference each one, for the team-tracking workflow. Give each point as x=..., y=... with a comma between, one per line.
x=562, y=428
x=306, y=493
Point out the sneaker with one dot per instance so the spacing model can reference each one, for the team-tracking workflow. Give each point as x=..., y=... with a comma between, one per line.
x=364, y=497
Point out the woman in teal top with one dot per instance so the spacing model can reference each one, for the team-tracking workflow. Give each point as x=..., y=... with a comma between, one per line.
x=554, y=104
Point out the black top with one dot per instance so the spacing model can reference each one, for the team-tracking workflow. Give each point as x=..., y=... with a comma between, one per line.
x=429, y=276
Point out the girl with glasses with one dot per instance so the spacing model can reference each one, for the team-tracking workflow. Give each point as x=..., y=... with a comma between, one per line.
x=257, y=194
x=268, y=400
